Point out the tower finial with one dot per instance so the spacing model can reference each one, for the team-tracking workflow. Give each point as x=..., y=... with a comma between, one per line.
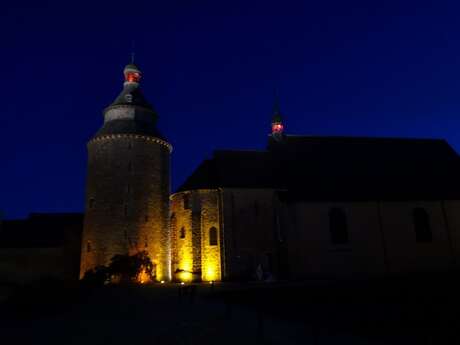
x=277, y=125
x=276, y=103
x=132, y=51
x=132, y=74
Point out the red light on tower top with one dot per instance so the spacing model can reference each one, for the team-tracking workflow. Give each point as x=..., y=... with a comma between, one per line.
x=277, y=123
x=132, y=77
x=277, y=128
x=132, y=74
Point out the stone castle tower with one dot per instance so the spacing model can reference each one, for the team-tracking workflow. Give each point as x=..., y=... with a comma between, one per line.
x=128, y=184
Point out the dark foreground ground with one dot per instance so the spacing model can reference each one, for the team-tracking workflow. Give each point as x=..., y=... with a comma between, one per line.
x=415, y=310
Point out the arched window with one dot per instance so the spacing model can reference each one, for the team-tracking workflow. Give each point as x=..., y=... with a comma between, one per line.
x=182, y=233
x=338, y=226
x=213, y=236
x=421, y=225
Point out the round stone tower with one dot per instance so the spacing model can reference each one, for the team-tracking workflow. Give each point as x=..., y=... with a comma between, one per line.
x=128, y=184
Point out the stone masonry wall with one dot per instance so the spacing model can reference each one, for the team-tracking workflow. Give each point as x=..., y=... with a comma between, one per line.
x=251, y=236
x=381, y=235
x=193, y=257
x=127, y=206
x=182, y=256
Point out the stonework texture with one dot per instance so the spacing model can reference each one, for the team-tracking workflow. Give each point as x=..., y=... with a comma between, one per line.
x=127, y=201
x=194, y=256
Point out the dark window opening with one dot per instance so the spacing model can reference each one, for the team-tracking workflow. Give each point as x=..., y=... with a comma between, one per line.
x=130, y=145
x=213, y=236
x=130, y=166
x=338, y=226
x=256, y=208
x=126, y=210
x=88, y=246
x=422, y=226
x=91, y=203
x=146, y=218
x=182, y=233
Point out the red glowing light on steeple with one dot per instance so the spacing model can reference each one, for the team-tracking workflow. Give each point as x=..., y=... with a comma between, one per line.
x=133, y=77
x=277, y=128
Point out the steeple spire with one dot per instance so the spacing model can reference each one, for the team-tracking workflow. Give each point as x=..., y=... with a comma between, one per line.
x=132, y=52
x=277, y=124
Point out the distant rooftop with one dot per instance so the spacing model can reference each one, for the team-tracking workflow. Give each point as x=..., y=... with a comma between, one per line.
x=40, y=230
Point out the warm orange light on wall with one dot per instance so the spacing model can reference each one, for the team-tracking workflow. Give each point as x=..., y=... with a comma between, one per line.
x=211, y=273
x=143, y=277
x=185, y=276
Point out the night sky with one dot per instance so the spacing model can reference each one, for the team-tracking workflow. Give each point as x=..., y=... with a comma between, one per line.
x=368, y=68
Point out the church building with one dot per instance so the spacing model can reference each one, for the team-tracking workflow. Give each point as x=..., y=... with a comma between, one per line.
x=305, y=207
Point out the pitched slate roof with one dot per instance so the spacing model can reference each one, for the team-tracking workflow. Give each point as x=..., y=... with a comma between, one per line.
x=135, y=95
x=232, y=169
x=338, y=168
x=41, y=230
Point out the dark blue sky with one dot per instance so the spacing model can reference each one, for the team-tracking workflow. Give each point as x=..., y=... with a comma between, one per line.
x=367, y=68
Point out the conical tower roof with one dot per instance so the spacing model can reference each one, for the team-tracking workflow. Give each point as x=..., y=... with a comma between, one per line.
x=130, y=112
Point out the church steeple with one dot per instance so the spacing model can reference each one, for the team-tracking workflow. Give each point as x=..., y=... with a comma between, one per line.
x=277, y=123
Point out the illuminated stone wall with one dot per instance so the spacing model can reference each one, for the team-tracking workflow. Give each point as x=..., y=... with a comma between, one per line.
x=210, y=252
x=127, y=201
x=193, y=257
x=181, y=237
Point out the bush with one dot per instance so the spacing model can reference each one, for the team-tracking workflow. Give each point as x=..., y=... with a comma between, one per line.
x=137, y=268
x=97, y=276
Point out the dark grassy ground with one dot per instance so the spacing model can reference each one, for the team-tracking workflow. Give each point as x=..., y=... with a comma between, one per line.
x=421, y=309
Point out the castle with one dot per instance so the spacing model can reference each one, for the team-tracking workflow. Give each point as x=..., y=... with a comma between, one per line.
x=304, y=207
